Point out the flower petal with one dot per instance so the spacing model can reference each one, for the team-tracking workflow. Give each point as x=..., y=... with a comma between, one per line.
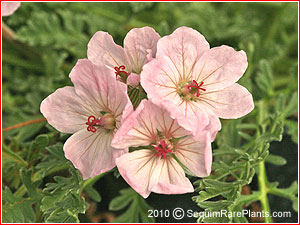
x=232, y=102
x=103, y=50
x=168, y=177
x=195, y=154
x=220, y=67
x=98, y=87
x=136, y=168
x=139, y=129
x=8, y=8
x=91, y=153
x=65, y=110
x=144, y=172
x=136, y=44
x=184, y=48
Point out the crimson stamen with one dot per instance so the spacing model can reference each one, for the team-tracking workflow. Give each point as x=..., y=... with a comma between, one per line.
x=92, y=121
x=163, y=150
x=120, y=71
x=198, y=87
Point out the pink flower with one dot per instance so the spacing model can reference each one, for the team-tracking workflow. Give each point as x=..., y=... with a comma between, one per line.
x=127, y=62
x=93, y=110
x=9, y=8
x=196, y=83
x=159, y=138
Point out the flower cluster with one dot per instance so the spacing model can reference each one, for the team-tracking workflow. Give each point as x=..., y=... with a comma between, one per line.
x=189, y=87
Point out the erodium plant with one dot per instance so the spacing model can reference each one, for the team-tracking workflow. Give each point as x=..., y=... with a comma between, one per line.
x=165, y=114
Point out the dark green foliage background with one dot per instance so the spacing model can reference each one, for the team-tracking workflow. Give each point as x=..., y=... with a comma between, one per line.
x=40, y=185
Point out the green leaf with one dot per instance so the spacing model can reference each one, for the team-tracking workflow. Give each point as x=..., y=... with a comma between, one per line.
x=16, y=210
x=275, y=160
x=53, y=161
x=62, y=202
x=274, y=131
x=26, y=177
x=93, y=193
x=292, y=129
x=46, y=30
x=264, y=78
x=137, y=207
x=215, y=205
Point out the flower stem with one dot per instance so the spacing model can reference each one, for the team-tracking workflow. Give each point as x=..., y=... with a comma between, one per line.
x=262, y=176
x=91, y=181
x=7, y=32
x=262, y=183
x=26, y=123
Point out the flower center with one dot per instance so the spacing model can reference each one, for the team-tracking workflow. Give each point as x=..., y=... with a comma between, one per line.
x=191, y=90
x=107, y=122
x=162, y=149
x=120, y=71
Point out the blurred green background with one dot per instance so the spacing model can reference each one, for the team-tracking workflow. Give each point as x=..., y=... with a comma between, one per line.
x=48, y=39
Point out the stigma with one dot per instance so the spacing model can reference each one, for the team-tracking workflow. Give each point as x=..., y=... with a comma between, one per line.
x=162, y=149
x=106, y=121
x=121, y=73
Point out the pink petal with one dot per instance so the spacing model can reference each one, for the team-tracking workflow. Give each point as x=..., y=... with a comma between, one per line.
x=144, y=172
x=195, y=154
x=232, y=102
x=213, y=127
x=91, y=153
x=136, y=44
x=133, y=80
x=136, y=169
x=220, y=67
x=184, y=48
x=99, y=88
x=139, y=129
x=103, y=50
x=65, y=110
x=168, y=177
x=9, y=8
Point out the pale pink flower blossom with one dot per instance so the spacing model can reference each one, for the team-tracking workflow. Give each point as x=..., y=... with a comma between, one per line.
x=160, y=140
x=127, y=62
x=196, y=84
x=8, y=8
x=93, y=110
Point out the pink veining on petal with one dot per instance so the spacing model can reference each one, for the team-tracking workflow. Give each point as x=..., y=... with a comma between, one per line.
x=138, y=43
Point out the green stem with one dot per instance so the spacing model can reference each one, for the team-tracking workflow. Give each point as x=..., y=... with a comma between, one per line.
x=263, y=187
x=91, y=181
x=262, y=176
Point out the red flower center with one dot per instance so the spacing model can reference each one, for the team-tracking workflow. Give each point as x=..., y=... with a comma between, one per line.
x=194, y=87
x=162, y=149
x=120, y=71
